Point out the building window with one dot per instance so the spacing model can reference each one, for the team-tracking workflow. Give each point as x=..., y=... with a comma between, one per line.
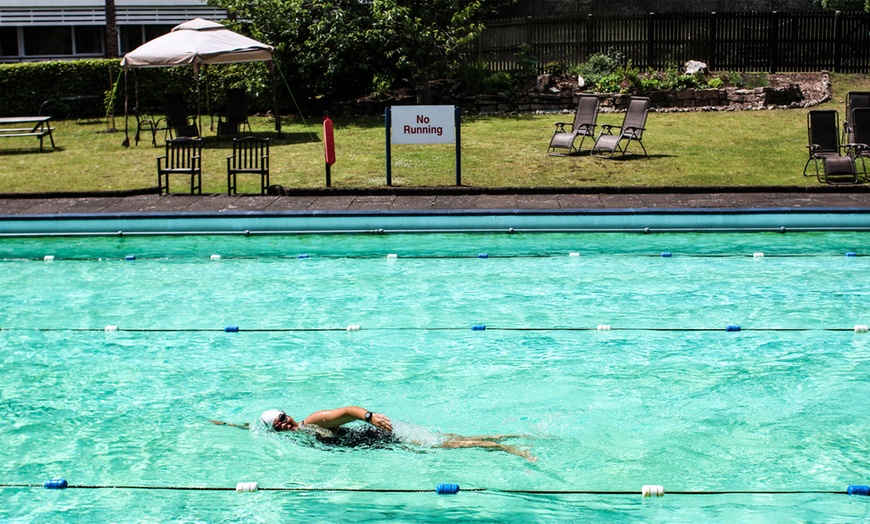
x=132, y=36
x=8, y=41
x=48, y=41
x=89, y=39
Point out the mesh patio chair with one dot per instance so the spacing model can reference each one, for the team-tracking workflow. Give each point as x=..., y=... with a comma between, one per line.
x=235, y=117
x=823, y=133
x=854, y=100
x=183, y=157
x=584, y=124
x=178, y=121
x=631, y=130
x=859, y=145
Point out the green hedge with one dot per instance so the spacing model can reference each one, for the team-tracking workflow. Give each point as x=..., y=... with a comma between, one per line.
x=33, y=87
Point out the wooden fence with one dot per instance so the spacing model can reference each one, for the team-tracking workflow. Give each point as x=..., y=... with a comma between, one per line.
x=753, y=42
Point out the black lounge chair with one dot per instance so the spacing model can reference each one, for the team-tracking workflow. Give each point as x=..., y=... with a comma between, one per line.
x=859, y=145
x=823, y=133
x=183, y=157
x=854, y=100
x=235, y=117
x=631, y=130
x=584, y=125
x=178, y=122
x=251, y=156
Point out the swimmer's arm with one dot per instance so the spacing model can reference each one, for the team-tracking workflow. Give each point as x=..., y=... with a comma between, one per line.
x=332, y=418
x=222, y=423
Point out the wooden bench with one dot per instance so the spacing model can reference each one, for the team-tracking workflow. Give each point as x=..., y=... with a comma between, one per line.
x=40, y=128
x=183, y=157
x=250, y=156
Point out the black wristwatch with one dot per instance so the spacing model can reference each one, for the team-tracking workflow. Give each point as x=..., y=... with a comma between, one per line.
x=368, y=416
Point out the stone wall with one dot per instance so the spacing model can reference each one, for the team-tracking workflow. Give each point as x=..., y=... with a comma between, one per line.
x=546, y=97
x=722, y=99
x=547, y=8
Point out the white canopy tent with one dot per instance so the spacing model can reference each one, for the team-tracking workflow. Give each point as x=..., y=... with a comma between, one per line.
x=200, y=42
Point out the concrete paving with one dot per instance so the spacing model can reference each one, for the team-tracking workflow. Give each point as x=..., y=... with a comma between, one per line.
x=435, y=201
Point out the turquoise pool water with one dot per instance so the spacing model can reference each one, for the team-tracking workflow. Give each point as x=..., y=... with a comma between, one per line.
x=667, y=396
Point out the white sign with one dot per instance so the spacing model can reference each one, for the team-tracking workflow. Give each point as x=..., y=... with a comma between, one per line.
x=423, y=125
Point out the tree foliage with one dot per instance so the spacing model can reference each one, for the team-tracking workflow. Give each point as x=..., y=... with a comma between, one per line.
x=845, y=5
x=346, y=47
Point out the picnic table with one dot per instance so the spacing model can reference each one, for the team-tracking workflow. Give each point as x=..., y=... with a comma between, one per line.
x=37, y=126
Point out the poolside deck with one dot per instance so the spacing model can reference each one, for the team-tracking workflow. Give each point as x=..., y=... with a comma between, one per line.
x=437, y=200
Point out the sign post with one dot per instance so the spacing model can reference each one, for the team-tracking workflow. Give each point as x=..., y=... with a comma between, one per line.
x=423, y=125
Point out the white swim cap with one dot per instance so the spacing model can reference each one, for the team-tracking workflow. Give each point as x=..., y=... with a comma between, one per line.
x=268, y=417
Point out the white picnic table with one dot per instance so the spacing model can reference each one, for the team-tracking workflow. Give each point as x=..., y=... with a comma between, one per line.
x=38, y=126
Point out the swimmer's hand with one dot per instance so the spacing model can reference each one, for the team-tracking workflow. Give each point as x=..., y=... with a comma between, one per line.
x=381, y=421
x=222, y=423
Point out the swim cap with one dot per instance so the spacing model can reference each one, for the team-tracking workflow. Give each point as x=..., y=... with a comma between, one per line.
x=268, y=417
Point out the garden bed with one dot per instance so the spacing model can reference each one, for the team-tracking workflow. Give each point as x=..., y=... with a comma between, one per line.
x=559, y=94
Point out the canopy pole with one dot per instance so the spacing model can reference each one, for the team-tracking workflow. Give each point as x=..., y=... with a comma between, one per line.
x=205, y=70
x=275, y=100
x=198, y=102
x=126, y=142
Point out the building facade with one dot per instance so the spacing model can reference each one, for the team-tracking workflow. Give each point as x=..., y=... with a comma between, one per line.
x=66, y=29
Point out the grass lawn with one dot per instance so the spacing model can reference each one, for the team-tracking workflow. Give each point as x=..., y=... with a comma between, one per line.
x=727, y=148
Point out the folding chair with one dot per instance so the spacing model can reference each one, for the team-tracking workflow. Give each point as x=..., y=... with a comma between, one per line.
x=584, y=125
x=859, y=145
x=250, y=156
x=178, y=121
x=236, y=114
x=854, y=100
x=823, y=134
x=631, y=130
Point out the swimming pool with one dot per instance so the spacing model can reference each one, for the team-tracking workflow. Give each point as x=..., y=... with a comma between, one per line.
x=611, y=352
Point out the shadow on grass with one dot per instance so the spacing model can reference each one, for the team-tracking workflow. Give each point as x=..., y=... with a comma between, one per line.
x=29, y=151
x=226, y=142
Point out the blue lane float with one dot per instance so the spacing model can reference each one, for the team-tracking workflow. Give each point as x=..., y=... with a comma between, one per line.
x=732, y=328
x=482, y=255
x=130, y=258
x=478, y=327
x=859, y=490
x=447, y=489
x=59, y=483
x=231, y=329
x=666, y=254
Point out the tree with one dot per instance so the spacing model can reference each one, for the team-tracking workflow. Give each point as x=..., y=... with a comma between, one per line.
x=339, y=48
x=845, y=5
x=320, y=45
x=424, y=39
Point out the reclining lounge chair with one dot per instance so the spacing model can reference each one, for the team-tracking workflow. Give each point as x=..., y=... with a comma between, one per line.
x=854, y=100
x=179, y=123
x=235, y=117
x=584, y=125
x=859, y=144
x=823, y=133
x=632, y=128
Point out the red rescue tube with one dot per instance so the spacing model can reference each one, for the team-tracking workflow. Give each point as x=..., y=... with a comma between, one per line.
x=328, y=141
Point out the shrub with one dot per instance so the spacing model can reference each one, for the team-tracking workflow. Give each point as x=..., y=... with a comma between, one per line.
x=500, y=82
x=556, y=67
x=598, y=66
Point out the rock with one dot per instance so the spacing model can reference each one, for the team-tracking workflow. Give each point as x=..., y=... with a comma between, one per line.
x=694, y=66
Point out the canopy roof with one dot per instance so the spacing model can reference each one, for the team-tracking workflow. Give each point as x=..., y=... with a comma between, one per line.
x=197, y=42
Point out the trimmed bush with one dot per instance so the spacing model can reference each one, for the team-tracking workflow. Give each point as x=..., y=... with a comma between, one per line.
x=31, y=87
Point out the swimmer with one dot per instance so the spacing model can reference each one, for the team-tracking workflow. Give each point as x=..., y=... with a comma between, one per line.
x=327, y=425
